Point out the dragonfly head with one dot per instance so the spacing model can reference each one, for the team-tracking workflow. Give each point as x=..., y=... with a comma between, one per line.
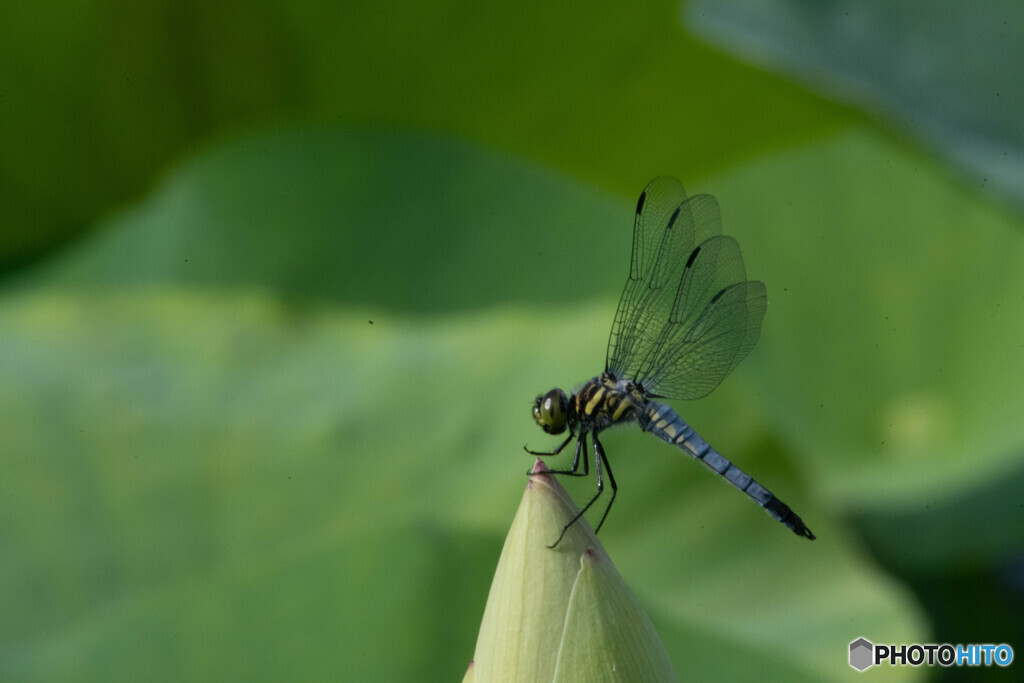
x=551, y=411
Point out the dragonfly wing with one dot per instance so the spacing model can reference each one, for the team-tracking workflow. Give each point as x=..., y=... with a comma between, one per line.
x=701, y=353
x=666, y=228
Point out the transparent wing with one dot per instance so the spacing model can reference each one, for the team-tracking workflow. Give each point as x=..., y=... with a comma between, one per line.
x=699, y=356
x=687, y=315
x=666, y=228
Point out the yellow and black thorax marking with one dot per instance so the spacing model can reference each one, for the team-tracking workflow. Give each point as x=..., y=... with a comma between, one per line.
x=603, y=402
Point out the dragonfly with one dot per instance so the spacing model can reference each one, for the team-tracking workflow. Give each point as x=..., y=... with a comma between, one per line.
x=687, y=316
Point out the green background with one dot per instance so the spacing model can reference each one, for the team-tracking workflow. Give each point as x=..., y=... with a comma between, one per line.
x=280, y=281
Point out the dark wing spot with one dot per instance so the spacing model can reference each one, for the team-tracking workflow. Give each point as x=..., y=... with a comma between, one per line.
x=640, y=203
x=693, y=257
x=671, y=221
x=718, y=296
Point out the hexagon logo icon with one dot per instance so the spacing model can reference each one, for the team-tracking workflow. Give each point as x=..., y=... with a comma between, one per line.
x=861, y=654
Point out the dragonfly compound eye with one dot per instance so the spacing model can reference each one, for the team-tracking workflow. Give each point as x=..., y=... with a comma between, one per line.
x=549, y=411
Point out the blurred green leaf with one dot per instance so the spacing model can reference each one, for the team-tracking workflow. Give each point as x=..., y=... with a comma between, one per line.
x=221, y=486
x=99, y=98
x=892, y=344
x=916, y=538
x=943, y=71
x=203, y=487
x=399, y=220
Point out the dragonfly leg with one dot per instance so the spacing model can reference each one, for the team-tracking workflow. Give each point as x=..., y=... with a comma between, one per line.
x=599, y=457
x=558, y=450
x=574, y=471
x=600, y=483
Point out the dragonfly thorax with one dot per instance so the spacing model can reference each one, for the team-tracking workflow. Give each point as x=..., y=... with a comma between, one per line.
x=600, y=403
x=605, y=401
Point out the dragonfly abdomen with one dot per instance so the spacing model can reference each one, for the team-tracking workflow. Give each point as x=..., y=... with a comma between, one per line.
x=665, y=423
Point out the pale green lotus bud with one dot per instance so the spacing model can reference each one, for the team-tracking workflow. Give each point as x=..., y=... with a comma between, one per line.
x=562, y=614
